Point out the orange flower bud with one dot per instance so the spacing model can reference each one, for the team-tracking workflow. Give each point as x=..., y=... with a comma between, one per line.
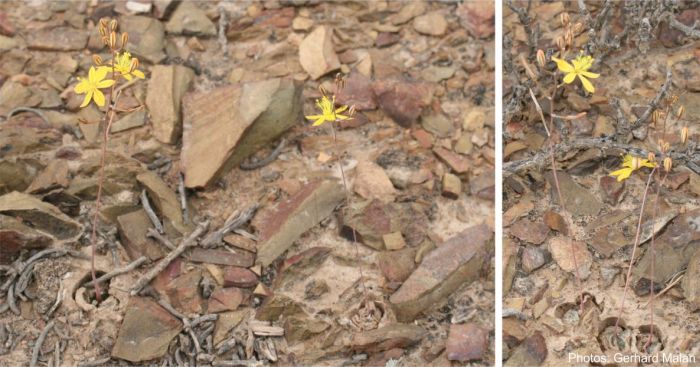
x=113, y=25
x=134, y=64
x=112, y=40
x=125, y=39
x=651, y=157
x=564, y=18
x=668, y=164
x=680, y=112
x=684, y=135
x=97, y=60
x=541, y=59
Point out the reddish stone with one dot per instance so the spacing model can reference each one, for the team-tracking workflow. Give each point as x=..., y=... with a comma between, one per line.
x=403, y=101
x=398, y=265
x=239, y=258
x=467, y=342
x=528, y=231
x=6, y=27
x=183, y=293
x=457, y=163
x=674, y=181
x=15, y=237
x=280, y=18
x=611, y=189
x=239, y=277
x=314, y=255
x=477, y=18
x=532, y=352
x=132, y=234
x=241, y=242
x=385, y=39
x=357, y=92
x=424, y=138
x=225, y=299
x=555, y=222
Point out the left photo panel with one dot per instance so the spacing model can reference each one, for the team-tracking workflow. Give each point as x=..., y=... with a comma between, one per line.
x=247, y=183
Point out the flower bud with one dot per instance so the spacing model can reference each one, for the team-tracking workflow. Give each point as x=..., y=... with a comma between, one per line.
x=134, y=64
x=651, y=157
x=561, y=44
x=680, y=112
x=655, y=116
x=578, y=27
x=564, y=18
x=103, y=31
x=322, y=90
x=636, y=163
x=684, y=135
x=666, y=147
x=113, y=25
x=112, y=40
x=97, y=60
x=105, y=40
x=104, y=22
x=569, y=38
x=125, y=39
x=351, y=111
x=541, y=59
x=673, y=100
x=668, y=164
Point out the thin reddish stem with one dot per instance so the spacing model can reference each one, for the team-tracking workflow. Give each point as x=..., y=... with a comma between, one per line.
x=634, y=249
x=653, y=263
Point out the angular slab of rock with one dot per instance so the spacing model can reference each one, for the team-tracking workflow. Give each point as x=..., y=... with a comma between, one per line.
x=164, y=200
x=674, y=249
x=402, y=100
x=456, y=262
x=166, y=87
x=146, y=37
x=239, y=258
x=531, y=352
x=467, y=342
x=189, y=19
x=239, y=277
x=691, y=281
x=579, y=200
x=15, y=237
x=564, y=253
x=389, y=337
x=57, y=39
x=372, y=220
x=15, y=175
x=225, y=299
x=358, y=92
x=146, y=331
x=183, y=292
x=301, y=327
x=286, y=222
x=228, y=321
x=42, y=216
x=228, y=124
x=528, y=231
x=132, y=234
x=54, y=176
x=372, y=182
x=316, y=54
x=397, y=266
x=456, y=162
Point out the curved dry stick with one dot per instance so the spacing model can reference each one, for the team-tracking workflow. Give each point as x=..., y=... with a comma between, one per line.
x=634, y=250
x=39, y=343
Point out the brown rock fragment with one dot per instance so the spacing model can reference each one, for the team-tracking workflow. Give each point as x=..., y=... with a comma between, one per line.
x=316, y=53
x=239, y=277
x=467, y=342
x=239, y=258
x=166, y=87
x=225, y=299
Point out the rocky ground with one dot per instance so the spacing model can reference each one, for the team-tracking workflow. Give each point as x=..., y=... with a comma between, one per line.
x=270, y=272
x=543, y=323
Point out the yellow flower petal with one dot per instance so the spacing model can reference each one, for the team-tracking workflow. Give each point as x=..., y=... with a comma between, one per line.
x=587, y=85
x=588, y=74
x=646, y=163
x=81, y=87
x=99, y=98
x=314, y=117
x=105, y=83
x=568, y=78
x=139, y=74
x=87, y=99
x=319, y=121
x=342, y=117
x=563, y=65
x=622, y=174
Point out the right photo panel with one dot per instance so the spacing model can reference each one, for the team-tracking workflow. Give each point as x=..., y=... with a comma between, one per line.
x=601, y=237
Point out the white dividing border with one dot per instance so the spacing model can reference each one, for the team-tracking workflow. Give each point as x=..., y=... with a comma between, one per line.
x=498, y=114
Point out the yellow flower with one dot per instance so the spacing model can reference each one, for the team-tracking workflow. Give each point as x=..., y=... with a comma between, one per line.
x=580, y=67
x=92, y=85
x=631, y=164
x=328, y=111
x=122, y=65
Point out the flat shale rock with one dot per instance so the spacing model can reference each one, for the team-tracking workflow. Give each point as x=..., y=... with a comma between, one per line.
x=225, y=299
x=528, y=231
x=579, y=200
x=238, y=258
x=358, y=92
x=146, y=331
x=164, y=200
x=183, y=292
x=456, y=262
x=239, y=277
x=57, y=39
x=388, y=337
x=146, y=37
x=42, y=216
x=691, y=282
x=316, y=54
x=531, y=352
x=287, y=221
x=132, y=229
x=228, y=124
x=477, y=18
x=397, y=266
x=432, y=24
x=467, y=342
x=403, y=100
x=15, y=175
x=371, y=182
x=561, y=250
x=189, y=19
x=54, y=176
x=372, y=220
x=166, y=87
x=15, y=237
